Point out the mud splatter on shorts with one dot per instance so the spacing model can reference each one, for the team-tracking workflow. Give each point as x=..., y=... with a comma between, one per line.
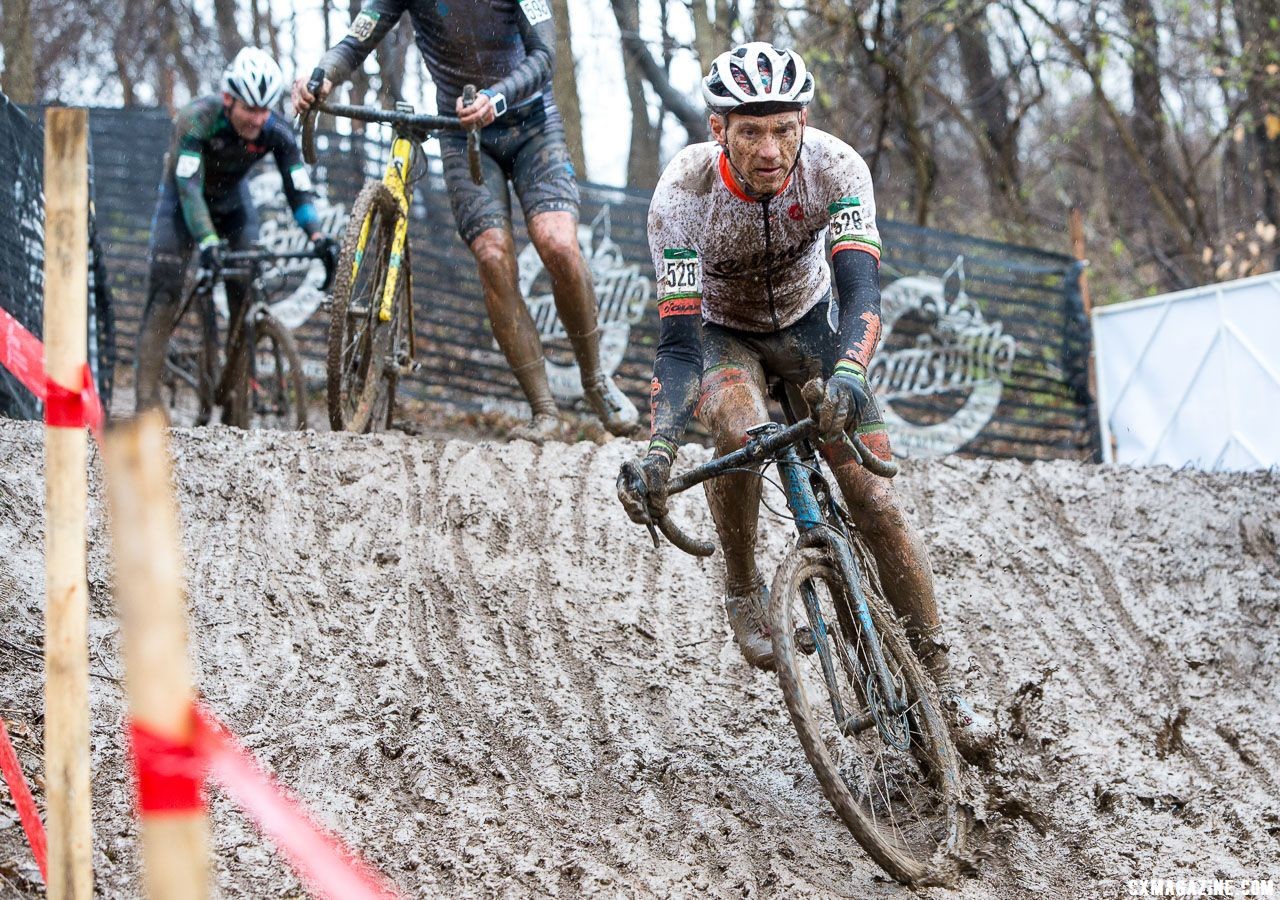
x=526, y=147
x=797, y=354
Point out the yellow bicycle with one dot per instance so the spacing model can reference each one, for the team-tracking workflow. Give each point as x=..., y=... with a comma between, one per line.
x=371, y=334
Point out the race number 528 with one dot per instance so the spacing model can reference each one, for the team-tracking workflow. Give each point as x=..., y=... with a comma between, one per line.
x=847, y=218
x=683, y=275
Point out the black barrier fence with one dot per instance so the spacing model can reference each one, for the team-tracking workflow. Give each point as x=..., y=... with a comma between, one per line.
x=22, y=258
x=21, y=241
x=985, y=347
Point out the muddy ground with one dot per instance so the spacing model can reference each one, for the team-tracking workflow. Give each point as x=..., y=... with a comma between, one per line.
x=465, y=659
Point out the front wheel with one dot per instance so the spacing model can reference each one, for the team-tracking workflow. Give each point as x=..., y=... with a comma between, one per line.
x=886, y=764
x=275, y=389
x=191, y=368
x=361, y=353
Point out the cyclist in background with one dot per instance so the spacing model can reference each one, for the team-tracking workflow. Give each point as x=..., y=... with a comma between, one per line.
x=736, y=229
x=509, y=48
x=204, y=197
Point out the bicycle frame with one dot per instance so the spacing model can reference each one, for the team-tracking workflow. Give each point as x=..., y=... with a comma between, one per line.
x=803, y=483
x=396, y=179
x=247, y=264
x=798, y=477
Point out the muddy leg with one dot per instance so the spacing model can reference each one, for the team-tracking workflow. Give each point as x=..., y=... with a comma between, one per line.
x=733, y=402
x=513, y=327
x=555, y=235
x=901, y=557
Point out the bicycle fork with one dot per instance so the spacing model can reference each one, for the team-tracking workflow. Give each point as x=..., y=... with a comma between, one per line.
x=813, y=529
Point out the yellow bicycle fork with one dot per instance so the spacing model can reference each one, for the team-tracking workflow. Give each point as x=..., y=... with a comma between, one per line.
x=395, y=179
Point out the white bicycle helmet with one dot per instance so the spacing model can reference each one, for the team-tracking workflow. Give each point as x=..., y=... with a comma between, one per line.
x=254, y=77
x=757, y=74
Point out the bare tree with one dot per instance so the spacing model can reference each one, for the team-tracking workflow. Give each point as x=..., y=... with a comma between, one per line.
x=1257, y=23
x=19, y=53
x=996, y=129
x=229, y=37
x=565, y=86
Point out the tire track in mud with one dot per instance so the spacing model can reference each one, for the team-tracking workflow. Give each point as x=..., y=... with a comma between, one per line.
x=1115, y=673
x=1147, y=649
x=431, y=641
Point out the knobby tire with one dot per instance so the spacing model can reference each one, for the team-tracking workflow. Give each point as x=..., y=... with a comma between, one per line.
x=276, y=393
x=922, y=853
x=360, y=382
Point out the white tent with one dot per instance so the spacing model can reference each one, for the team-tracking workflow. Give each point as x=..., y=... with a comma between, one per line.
x=1192, y=378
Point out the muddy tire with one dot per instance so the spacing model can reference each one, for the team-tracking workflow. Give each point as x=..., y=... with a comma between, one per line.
x=275, y=389
x=895, y=785
x=360, y=344
x=190, y=371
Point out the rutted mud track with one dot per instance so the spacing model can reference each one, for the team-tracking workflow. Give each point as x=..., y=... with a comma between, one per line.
x=466, y=660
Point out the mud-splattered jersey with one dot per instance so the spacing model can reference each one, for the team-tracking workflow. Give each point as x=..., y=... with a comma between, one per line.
x=207, y=160
x=505, y=46
x=758, y=266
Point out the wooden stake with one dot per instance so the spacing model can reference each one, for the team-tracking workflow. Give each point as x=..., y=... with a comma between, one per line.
x=152, y=609
x=1077, y=250
x=66, y=647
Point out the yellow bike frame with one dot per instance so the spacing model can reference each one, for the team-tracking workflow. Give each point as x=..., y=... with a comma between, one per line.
x=395, y=178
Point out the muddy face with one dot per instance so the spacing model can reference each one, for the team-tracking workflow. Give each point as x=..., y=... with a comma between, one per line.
x=762, y=148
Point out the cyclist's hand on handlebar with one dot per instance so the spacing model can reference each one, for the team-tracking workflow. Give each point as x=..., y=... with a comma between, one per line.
x=846, y=400
x=478, y=114
x=327, y=248
x=642, y=487
x=211, y=258
x=302, y=98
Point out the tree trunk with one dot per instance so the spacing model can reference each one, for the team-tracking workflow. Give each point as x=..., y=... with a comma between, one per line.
x=1261, y=39
x=988, y=97
x=229, y=37
x=704, y=37
x=1150, y=132
x=635, y=52
x=642, y=158
x=564, y=83
x=19, y=52
x=765, y=21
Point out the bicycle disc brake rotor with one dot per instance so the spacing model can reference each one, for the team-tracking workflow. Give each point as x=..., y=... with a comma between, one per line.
x=892, y=724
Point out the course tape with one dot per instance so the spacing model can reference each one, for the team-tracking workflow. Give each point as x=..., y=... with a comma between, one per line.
x=28, y=815
x=170, y=775
x=22, y=354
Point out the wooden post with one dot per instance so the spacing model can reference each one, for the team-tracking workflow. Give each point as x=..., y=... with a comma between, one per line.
x=66, y=647
x=1077, y=250
x=153, y=614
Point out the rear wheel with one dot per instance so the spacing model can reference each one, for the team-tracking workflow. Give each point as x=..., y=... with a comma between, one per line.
x=362, y=346
x=887, y=764
x=275, y=388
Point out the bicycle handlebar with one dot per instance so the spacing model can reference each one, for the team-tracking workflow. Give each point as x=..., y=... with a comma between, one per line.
x=421, y=124
x=756, y=450
x=234, y=256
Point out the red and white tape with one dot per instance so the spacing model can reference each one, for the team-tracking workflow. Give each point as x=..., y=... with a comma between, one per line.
x=28, y=815
x=22, y=353
x=170, y=778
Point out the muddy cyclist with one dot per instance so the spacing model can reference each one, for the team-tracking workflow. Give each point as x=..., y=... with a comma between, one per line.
x=204, y=196
x=737, y=229
x=510, y=48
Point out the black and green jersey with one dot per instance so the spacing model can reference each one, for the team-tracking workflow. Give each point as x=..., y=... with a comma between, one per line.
x=207, y=160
